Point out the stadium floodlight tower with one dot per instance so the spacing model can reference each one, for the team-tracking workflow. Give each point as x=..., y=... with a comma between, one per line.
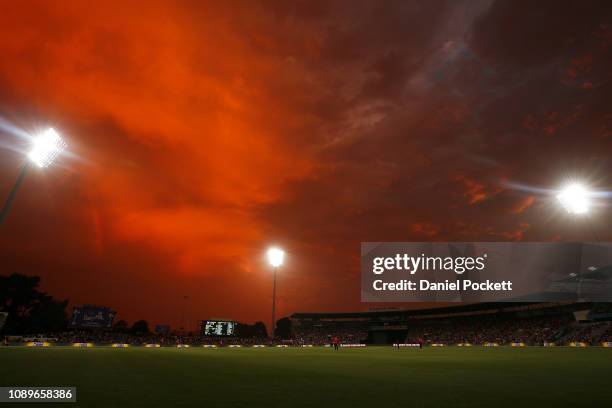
x=46, y=147
x=575, y=198
x=275, y=258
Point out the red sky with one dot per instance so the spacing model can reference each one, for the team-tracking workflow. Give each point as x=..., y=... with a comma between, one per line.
x=201, y=132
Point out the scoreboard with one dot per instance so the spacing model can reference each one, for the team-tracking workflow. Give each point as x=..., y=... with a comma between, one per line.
x=218, y=328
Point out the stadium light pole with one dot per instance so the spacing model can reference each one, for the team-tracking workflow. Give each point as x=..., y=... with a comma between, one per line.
x=275, y=258
x=575, y=199
x=46, y=147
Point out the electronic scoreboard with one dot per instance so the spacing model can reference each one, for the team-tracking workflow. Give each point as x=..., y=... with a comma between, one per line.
x=218, y=328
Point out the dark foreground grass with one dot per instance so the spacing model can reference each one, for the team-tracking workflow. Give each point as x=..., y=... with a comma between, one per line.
x=372, y=377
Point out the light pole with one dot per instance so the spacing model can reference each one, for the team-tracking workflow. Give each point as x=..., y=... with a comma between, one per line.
x=13, y=193
x=275, y=258
x=575, y=198
x=45, y=148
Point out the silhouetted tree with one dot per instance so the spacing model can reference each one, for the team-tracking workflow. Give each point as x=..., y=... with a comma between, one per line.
x=243, y=330
x=140, y=327
x=283, y=328
x=121, y=326
x=260, y=329
x=247, y=330
x=29, y=309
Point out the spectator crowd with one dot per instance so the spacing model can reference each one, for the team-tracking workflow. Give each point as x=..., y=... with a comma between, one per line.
x=533, y=332
x=503, y=329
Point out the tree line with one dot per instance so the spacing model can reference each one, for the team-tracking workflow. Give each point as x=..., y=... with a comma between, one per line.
x=32, y=311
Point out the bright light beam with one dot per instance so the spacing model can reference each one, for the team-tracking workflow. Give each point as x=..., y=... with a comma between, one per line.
x=8, y=127
x=46, y=147
x=575, y=199
x=275, y=257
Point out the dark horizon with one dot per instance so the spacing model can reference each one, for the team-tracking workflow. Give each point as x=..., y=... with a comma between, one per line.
x=202, y=133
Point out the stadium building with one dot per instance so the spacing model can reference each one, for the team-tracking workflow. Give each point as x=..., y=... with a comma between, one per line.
x=500, y=323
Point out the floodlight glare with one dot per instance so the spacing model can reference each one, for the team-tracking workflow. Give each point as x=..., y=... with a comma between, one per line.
x=575, y=199
x=47, y=146
x=275, y=257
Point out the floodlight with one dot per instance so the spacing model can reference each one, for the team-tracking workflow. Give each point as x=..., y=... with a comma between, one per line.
x=46, y=147
x=575, y=199
x=275, y=257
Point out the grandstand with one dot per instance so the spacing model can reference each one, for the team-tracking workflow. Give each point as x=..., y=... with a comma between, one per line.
x=528, y=323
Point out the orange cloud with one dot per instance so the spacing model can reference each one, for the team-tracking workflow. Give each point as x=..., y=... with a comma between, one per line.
x=203, y=131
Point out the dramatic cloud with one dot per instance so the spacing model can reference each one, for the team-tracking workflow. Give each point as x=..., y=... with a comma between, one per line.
x=202, y=132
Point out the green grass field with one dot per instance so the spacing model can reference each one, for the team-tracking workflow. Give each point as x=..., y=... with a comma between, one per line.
x=372, y=377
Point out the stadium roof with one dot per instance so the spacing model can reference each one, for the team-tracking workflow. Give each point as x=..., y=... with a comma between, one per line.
x=432, y=312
